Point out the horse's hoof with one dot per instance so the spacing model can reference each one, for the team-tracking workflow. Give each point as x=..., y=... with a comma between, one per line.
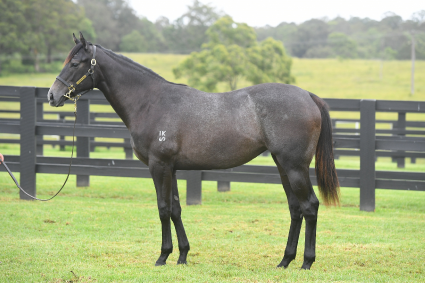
x=286, y=261
x=160, y=263
x=182, y=262
x=307, y=263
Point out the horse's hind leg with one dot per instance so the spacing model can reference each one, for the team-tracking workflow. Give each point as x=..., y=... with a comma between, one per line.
x=178, y=224
x=296, y=219
x=299, y=180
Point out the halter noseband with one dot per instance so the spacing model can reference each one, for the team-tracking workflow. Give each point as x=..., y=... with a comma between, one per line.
x=71, y=87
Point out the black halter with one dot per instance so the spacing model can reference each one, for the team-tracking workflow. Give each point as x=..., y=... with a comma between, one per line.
x=71, y=87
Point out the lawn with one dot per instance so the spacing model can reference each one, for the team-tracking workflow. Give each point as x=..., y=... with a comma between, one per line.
x=110, y=232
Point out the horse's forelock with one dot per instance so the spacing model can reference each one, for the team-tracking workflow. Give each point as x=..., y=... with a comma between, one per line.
x=73, y=51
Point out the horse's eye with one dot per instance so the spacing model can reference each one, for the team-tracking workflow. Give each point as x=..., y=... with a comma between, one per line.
x=74, y=64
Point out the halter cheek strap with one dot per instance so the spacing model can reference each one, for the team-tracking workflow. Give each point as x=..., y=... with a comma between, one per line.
x=71, y=87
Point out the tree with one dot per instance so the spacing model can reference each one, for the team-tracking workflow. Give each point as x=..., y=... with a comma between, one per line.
x=207, y=68
x=310, y=34
x=284, y=32
x=110, y=18
x=342, y=45
x=133, y=42
x=86, y=27
x=154, y=41
x=52, y=22
x=419, y=17
x=114, y=19
x=268, y=62
x=231, y=53
x=225, y=31
x=187, y=33
x=13, y=27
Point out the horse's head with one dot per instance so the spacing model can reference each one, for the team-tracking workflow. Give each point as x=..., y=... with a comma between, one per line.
x=74, y=80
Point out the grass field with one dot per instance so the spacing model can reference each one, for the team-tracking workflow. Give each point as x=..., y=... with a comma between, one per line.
x=110, y=231
x=328, y=78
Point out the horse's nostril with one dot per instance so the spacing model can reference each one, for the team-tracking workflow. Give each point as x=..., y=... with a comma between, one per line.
x=50, y=96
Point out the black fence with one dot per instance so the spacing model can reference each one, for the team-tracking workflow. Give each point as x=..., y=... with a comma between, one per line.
x=403, y=139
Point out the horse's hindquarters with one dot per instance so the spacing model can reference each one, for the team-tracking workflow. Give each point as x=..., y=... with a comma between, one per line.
x=290, y=122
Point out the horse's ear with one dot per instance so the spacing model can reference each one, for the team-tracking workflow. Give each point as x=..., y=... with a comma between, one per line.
x=83, y=41
x=76, y=40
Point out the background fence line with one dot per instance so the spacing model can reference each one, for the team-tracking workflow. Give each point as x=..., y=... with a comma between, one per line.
x=367, y=142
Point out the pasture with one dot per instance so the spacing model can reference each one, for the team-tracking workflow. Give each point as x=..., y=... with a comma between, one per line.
x=110, y=231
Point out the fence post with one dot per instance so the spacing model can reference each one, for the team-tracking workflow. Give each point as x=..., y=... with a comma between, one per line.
x=401, y=125
x=40, y=117
x=91, y=144
x=333, y=121
x=83, y=143
x=128, y=149
x=62, y=138
x=28, y=141
x=194, y=187
x=367, y=154
x=223, y=186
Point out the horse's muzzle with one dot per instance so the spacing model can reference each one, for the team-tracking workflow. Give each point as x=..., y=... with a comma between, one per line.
x=51, y=100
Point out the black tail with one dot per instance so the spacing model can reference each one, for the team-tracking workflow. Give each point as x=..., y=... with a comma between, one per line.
x=327, y=179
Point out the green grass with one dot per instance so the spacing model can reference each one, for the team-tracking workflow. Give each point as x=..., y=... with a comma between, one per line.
x=110, y=232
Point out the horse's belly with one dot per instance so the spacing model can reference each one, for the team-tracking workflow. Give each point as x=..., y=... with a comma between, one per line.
x=220, y=152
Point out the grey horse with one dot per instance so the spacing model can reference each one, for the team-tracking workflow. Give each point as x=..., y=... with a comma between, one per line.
x=176, y=127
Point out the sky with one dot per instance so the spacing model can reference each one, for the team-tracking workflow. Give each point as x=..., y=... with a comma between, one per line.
x=273, y=12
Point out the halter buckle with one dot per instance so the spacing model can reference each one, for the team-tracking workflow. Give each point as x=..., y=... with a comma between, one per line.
x=93, y=62
x=71, y=89
x=90, y=71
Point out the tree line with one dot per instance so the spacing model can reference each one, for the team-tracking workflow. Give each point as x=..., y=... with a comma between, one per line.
x=389, y=38
x=35, y=34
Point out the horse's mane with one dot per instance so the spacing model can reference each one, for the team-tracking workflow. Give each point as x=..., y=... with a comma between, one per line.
x=133, y=64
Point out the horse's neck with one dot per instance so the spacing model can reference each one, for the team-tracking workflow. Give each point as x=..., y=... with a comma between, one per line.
x=126, y=88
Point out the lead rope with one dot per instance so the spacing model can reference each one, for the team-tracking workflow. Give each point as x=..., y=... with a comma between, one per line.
x=71, y=89
x=69, y=169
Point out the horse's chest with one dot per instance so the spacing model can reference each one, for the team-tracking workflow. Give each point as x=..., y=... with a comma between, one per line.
x=139, y=148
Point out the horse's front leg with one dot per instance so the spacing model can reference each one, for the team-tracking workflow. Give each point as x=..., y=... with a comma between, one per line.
x=178, y=224
x=162, y=175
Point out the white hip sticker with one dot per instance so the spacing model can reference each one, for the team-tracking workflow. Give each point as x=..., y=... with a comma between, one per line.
x=162, y=135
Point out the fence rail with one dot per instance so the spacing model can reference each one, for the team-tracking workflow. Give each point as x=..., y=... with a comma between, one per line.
x=367, y=142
